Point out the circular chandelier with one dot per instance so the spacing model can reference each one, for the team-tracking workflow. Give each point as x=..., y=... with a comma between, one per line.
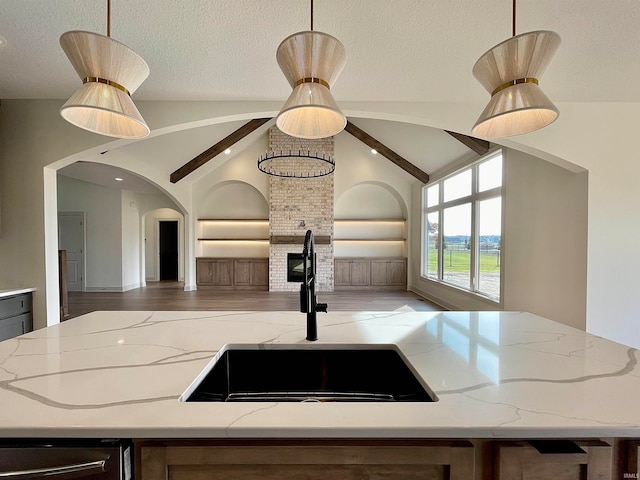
x=292, y=164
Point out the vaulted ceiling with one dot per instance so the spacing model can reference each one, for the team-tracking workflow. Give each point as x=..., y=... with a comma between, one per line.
x=400, y=51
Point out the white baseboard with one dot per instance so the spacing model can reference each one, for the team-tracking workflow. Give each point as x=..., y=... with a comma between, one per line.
x=441, y=303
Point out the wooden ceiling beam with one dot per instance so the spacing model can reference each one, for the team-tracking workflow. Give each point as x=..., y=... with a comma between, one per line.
x=386, y=152
x=217, y=149
x=477, y=145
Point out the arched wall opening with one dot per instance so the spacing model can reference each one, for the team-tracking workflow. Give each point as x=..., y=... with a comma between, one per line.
x=182, y=194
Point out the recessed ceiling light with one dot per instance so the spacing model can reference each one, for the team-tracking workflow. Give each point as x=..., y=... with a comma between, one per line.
x=3, y=42
x=118, y=179
x=227, y=151
x=374, y=151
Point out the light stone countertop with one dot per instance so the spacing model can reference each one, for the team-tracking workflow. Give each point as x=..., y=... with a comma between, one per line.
x=496, y=374
x=10, y=292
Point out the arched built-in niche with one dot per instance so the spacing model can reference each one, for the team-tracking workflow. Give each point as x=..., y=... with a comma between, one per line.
x=233, y=200
x=370, y=221
x=233, y=221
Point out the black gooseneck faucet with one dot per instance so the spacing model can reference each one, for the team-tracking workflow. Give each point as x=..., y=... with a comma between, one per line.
x=308, y=301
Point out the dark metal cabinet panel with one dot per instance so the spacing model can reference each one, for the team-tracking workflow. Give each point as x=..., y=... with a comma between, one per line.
x=15, y=316
x=15, y=305
x=14, y=326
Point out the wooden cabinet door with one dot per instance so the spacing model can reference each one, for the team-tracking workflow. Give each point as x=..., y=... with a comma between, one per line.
x=204, y=272
x=222, y=273
x=379, y=272
x=251, y=272
x=397, y=272
x=389, y=272
x=591, y=459
x=260, y=273
x=342, y=272
x=242, y=272
x=360, y=272
x=453, y=460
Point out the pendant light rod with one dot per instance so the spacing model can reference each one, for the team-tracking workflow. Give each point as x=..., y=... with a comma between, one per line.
x=108, y=18
x=513, y=34
x=312, y=15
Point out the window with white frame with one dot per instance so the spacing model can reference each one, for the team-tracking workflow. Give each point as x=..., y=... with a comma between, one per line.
x=462, y=228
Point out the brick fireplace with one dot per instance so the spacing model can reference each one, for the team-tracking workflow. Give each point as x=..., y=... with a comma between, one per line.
x=295, y=206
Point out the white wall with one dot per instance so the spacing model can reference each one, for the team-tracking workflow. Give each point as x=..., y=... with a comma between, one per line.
x=130, y=241
x=545, y=246
x=103, y=230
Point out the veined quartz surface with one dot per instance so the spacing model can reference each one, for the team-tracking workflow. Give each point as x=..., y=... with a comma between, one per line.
x=496, y=375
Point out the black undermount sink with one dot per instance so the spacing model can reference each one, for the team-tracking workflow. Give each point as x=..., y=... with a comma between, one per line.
x=318, y=373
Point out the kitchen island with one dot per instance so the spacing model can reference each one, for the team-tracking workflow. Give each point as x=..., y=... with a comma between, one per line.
x=496, y=375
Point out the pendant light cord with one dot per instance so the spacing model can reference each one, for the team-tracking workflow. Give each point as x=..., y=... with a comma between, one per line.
x=514, y=19
x=312, y=15
x=108, y=18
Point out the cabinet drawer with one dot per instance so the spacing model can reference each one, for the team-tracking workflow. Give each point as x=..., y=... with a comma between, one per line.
x=14, y=326
x=16, y=305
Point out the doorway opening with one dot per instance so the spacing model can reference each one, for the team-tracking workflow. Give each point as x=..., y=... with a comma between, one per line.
x=168, y=249
x=71, y=239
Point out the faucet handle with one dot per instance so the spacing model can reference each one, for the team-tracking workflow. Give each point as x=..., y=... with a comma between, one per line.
x=321, y=307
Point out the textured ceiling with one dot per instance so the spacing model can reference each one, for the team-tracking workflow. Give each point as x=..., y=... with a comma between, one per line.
x=404, y=50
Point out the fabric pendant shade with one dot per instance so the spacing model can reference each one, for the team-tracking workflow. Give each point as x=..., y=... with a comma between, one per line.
x=311, y=61
x=510, y=72
x=110, y=72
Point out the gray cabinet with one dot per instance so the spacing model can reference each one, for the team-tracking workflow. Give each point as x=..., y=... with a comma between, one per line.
x=382, y=273
x=233, y=273
x=15, y=315
x=389, y=272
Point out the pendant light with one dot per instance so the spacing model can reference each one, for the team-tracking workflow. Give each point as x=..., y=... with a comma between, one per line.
x=510, y=72
x=110, y=73
x=311, y=61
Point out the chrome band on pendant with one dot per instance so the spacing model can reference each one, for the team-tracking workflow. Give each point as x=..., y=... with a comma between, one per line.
x=106, y=82
x=311, y=80
x=514, y=82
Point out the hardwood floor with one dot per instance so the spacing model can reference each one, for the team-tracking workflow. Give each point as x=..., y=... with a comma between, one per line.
x=171, y=296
